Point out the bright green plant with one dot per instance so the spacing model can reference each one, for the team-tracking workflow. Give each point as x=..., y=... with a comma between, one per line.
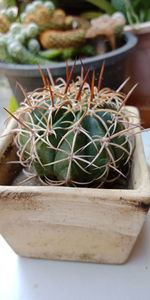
x=13, y=105
x=135, y=11
x=103, y=5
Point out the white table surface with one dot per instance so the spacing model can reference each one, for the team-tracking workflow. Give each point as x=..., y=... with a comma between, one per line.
x=34, y=279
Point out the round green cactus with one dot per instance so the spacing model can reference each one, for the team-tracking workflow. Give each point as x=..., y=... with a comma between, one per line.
x=15, y=28
x=49, y=5
x=74, y=134
x=31, y=30
x=30, y=8
x=33, y=46
x=11, y=13
x=37, y=3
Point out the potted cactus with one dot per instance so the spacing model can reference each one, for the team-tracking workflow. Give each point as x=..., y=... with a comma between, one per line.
x=81, y=151
x=48, y=36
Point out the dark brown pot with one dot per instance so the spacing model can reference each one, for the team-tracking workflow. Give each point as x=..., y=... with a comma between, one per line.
x=138, y=68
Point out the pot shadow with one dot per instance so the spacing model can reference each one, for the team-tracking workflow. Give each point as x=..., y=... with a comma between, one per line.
x=142, y=244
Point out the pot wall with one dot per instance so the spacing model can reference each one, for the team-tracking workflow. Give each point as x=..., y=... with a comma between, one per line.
x=29, y=76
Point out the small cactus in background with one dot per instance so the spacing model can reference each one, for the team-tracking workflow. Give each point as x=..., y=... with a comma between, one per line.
x=7, y=16
x=109, y=26
x=46, y=16
x=26, y=44
x=45, y=28
x=15, y=45
x=57, y=30
x=62, y=39
x=74, y=133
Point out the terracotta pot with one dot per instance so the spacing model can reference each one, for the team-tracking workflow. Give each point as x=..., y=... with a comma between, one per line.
x=78, y=224
x=138, y=68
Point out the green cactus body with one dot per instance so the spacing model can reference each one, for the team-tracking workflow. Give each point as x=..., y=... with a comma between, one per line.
x=64, y=169
x=74, y=134
x=73, y=169
x=45, y=152
x=114, y=125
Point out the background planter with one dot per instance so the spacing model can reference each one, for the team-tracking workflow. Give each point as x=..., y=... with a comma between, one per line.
x=138, y=68
x=30, y=78
x=78, y=224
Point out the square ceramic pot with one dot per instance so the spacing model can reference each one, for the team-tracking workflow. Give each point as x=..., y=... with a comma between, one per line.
x=76, y=224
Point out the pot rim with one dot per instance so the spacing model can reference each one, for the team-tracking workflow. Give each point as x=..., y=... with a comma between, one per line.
x=109, y=58
x=138, y=29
